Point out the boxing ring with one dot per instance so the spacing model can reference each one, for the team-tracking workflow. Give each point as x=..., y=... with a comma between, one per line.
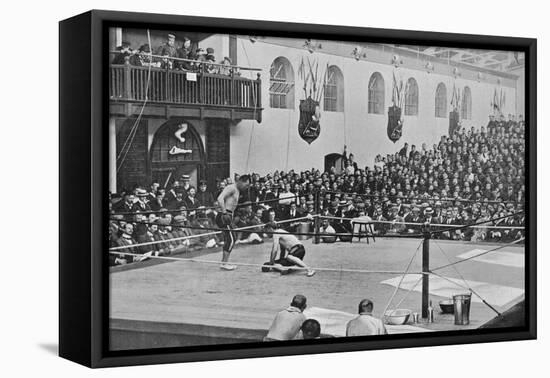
x=185, y=299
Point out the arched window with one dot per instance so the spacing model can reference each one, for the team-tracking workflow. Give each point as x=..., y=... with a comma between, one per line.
x=376, y=94
x=411, y=97
x=466, y=111
x=334, y=90
x=441, y=101
x=281, y=84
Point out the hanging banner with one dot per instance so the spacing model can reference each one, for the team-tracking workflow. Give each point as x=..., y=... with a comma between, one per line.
x=309, y=127
x=454, y=122
x=395, y=124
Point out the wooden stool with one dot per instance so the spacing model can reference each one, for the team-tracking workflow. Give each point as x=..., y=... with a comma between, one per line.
x=366, y=230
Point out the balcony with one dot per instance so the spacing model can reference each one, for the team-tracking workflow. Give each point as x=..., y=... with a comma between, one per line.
x=166, y=92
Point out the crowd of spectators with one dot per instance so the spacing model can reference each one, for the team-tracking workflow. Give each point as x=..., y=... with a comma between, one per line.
x=471, y=176
x=187, y=57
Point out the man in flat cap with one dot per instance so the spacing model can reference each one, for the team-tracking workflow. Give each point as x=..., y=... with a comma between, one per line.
x=169, y=48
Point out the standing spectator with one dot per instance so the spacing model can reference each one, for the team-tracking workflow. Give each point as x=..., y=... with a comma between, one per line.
x=169, y=48
x=123, y=51
x=185, y=53
x=143, y=57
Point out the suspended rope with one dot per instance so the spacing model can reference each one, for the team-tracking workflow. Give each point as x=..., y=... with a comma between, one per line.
x=449, y=261
x=402, y=278
x=254, y=112
x=467, y=288
x=133, y=130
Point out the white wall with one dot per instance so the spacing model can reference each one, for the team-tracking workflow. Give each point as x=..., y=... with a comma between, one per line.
x=276, y=144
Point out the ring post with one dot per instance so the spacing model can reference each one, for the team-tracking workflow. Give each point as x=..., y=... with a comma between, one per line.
x=316, y=238
x=425, y=271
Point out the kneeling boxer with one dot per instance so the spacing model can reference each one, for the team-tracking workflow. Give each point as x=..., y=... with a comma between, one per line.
x=291, y=254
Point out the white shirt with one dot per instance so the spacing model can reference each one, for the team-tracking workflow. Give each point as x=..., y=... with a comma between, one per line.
x=365, y=325
x=285, y=195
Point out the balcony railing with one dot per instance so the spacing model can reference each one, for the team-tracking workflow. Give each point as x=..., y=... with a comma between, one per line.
x=134, y=83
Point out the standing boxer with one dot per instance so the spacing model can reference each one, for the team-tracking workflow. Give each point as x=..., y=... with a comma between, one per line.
x=228, y=201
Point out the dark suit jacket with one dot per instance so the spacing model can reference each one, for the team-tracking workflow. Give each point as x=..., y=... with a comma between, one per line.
x=190, y=204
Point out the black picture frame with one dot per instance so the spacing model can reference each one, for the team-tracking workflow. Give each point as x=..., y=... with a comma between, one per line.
x=83, y=279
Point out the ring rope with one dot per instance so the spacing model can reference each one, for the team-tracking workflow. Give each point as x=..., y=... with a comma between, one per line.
x=453, y=266
x=442, y=199
x=448, y=229
x=217, y=262
x=359, y=220
x=218, y=231
x=479, y=254
x=468, y=288
x=204, y=208
x=408, y=292
x=404, y=236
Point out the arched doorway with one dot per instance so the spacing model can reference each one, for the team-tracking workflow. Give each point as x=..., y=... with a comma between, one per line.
x=334, y=161
x=177, y=150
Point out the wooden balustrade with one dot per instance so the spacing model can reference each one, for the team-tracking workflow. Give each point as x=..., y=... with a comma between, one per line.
x=157, y=85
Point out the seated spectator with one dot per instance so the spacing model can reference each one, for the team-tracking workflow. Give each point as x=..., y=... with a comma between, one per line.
x=311, y=329
x=159, y=202
x=128, y=205
x=365, y=324
x=204, y=197
x=141, y=198
x=326, y=230
x=125, y=240
x=148, y=237
x=191, y=202
x=288, y=322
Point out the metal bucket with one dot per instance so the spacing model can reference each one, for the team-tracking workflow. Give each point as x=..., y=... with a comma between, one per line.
x=303, y=227
x=462, y=308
